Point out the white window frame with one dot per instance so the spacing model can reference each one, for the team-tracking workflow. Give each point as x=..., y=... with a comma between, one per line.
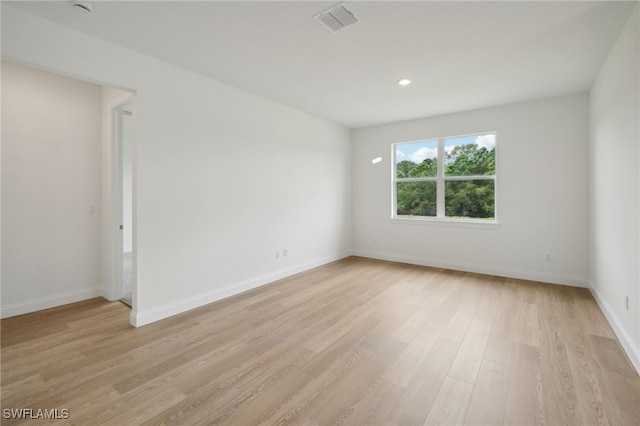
x=440, y=180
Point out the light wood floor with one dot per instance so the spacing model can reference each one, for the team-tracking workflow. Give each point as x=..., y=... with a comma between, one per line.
x=356, y=342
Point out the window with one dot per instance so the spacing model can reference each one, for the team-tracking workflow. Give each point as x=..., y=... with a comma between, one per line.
x=446, y=178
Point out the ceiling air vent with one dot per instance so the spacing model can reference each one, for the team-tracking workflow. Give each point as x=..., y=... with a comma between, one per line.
x=336, y=18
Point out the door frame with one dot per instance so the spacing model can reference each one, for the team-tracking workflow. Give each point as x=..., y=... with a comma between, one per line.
x=116, y=204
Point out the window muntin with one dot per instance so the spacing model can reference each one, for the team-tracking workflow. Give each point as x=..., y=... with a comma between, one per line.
x=445, y=178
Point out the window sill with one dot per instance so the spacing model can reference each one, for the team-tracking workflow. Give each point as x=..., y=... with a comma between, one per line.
x=456, y=223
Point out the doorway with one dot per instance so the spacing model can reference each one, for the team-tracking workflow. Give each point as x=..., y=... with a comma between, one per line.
x=124, y=148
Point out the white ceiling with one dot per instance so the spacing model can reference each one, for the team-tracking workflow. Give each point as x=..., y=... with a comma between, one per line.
x=460, y=55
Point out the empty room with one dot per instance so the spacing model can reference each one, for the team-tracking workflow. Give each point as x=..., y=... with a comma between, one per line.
x=314, y=213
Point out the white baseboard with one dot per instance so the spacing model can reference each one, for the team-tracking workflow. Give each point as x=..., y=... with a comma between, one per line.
x=148, y=316
x=632, y=350
x=39, y=304
x=569, y=280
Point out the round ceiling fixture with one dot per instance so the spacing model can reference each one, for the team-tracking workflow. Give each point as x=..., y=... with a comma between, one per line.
x=82, y=6
x=404, y=82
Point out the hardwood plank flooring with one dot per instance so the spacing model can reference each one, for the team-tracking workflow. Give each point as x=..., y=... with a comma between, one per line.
x=355, y=342
x=489, y=395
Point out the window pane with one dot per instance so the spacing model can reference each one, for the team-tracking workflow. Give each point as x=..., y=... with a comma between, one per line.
x=416, y=199
x=417, y=159
x=470, y=198
x=470, y=155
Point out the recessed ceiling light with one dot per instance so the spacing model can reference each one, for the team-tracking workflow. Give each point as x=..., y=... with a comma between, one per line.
x=404, y=82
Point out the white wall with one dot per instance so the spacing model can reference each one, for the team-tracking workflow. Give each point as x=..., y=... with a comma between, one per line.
x=51, y=175
x=223, y=177
x=615, y=187
x=542, y=194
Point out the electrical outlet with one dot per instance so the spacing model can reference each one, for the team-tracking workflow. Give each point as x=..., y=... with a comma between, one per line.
x=277, y=254
x=285, y=252
x=548, y=258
